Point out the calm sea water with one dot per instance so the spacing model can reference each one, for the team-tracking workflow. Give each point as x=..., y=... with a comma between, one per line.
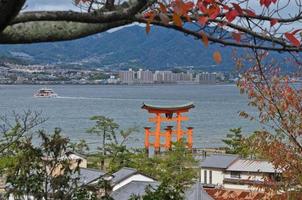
x=216, y=109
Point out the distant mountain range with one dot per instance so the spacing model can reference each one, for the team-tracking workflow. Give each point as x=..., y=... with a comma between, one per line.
x=128, y=47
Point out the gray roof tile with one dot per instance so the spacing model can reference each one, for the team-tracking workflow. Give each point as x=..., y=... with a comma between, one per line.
x=219, y=161
x=246, y=165
x=196, y=192
x=134, y=187
x=122, y=174
x=89, y=175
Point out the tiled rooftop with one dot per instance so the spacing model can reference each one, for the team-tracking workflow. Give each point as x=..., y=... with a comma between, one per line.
x=246, y=165
x=219, y=161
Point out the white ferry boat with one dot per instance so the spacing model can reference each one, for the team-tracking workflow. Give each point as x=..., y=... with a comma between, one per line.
x=45, y=92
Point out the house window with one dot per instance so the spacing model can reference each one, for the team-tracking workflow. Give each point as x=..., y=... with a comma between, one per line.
x=235, y=174
x=210, y=176
x=205, y=177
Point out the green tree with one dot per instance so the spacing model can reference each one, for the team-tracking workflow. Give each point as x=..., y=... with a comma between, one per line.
x=80, y=147
x=176, y=167
x=236, y=143
x=42, y=171
x=119, y=154
x=106, y=128
x=163, y=191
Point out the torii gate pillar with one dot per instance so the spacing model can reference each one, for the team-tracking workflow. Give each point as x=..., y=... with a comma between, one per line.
x=167, y=114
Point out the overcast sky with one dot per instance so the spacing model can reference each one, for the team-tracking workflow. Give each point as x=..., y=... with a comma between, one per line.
x=49, y=5
x=68, y=5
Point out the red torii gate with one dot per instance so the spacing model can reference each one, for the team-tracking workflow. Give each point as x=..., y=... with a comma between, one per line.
x=168, y=112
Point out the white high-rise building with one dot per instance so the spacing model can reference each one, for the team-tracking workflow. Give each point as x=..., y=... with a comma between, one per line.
x=164, y=77
x=145, y=76
x=127, y=76
x=206, y=78
x=158, y=77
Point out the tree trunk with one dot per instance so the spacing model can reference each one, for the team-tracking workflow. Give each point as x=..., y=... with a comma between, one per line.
x=8, y=10
x=104, y=151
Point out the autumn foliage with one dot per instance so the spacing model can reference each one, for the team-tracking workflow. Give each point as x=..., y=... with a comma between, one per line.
x=278, y=98
x=236, y=17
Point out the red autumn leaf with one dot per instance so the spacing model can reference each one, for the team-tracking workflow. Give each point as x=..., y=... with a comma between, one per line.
x=209, y=1
x=204, y=39
x=163, y=8
x=177, y=6
x=291, y=37
x=267, y=3
x=148, y=14
x=149, y=20
x=177, y=20
x=225, y=7
x=236, y=36
x=250, y=13
x=214, y=11
x=148, y=28
x=202, y=8
x=182, y=8
x=231, y=15
x=238, y=8
x=273, y=22
x=203, y=20
x=217, y=57
x=188, y=6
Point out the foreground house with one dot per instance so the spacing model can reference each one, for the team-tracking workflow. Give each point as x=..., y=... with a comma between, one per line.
x=195, y=192
x=233, y=172
x=127, y=175
x=128, y=181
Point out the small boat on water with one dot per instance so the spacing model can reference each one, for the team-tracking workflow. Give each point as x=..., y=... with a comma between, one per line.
x=46, y=92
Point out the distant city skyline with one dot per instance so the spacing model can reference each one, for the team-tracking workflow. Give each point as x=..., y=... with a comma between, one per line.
x=165, y=76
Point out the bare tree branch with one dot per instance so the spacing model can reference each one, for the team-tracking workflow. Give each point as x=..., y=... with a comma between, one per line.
x=47, y=31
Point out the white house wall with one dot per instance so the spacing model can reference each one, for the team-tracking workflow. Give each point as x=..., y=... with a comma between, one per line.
x=217, y=176
x=136, y=177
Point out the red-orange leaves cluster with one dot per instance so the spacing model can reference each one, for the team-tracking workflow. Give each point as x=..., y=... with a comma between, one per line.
x=275, y=99
x=217, y=57
x=150, y=16
x=273, y=22
x=292, y=38
x=181, y=9
x=209, y=8
x=213, y=9
x=267, y=3
x=279, y=102
x=285, y=159
x=236, y=36
x=231, y=15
